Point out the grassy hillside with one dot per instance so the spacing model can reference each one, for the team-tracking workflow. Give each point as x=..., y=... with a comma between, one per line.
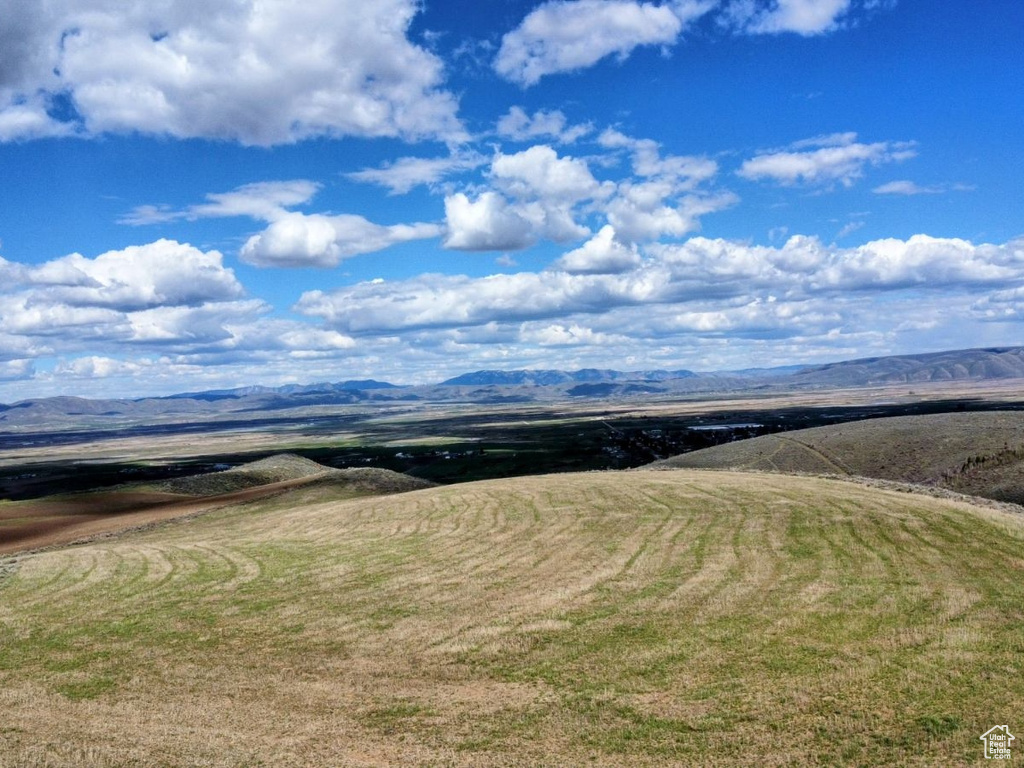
x=977, y=453
x=645, y=618
x=286, y=467
x=70, y=517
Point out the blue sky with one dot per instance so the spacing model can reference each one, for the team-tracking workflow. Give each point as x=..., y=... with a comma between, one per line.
x=209, y=195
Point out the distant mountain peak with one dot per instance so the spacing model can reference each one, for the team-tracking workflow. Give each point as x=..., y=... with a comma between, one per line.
x=546, y=377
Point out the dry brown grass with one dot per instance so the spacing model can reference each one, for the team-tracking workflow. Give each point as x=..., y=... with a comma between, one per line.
x=643, y=618
x=976, y=453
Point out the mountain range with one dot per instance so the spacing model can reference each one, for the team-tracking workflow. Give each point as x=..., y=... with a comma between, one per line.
x=517, y=386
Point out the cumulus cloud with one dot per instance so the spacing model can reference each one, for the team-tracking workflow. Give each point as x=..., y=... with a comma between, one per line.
x=536, y=197
x=566, y=335
x=519, y=126
x=489, y=223
x=260, y=73
x=699, y=270
x=164, y=295
x=439, y=301
x=926, y=261
x=645, y=210
x=665, y=200
x=539, y=172
x=824, y=160
x=36, y=315
x=292, y=239
x=684, y=172
x=191, y=327
x=602, y=254
x=315, y=240
x=99, y=367
x=137, y=277
x=406, y=173
x=28, y=119
x=16, y=370
x=223, y=336
x=1001, y=306
x=568, y=35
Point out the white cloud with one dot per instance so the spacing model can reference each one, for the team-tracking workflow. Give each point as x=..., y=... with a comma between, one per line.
x=539, y=172
x=405, y=173
x=848, y=229
x=545, y=190
x=685, y=172
x=488, y=224
x=137, y=277
x=643, y=211
x=292, y=239
x=567, y=335
x=265, y=200
x=926, y=261
x=188, y=327
x=804, y=17
x=29, y=120
x=99, y=367
x=196, y=341
x=97, y=314
x=262, y=200
x=261, y=73
x=314, y=240
x=665, y=200
x=16, y=370
x=1001, y=306
x=118, y=299
x=440, y=301
x=519, y=126
x=837, y=158
x=602, y=254
x=217, y=333
x=567, y=35
x=906, y=188
x=696, y=272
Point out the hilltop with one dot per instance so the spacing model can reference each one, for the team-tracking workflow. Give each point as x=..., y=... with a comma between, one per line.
x=608, y=619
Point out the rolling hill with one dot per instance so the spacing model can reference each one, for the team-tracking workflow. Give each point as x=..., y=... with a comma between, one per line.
x=608, y=619
x=977, y=453
x=954, y=365
x=70, y=517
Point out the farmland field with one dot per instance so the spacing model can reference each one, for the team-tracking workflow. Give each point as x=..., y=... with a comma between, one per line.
x=641, y=618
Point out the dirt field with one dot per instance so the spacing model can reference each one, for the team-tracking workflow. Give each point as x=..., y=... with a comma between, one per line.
x=614, y=619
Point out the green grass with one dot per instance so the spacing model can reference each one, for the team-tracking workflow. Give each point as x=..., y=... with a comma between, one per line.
x=630, y=619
